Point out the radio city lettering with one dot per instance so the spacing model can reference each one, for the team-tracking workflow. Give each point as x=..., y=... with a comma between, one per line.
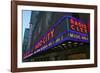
x=77, y=26
x=45, y=39
x=74, y=25
x=74, y=30
x=50, y=44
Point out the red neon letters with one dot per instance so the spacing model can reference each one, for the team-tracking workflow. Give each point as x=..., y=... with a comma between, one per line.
x=45, y=39
x=77, y=26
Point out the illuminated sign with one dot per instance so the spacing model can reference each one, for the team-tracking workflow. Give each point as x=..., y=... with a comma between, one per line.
x=67, y=28
x=77, y=32
x=45, y=39
x=77, y=26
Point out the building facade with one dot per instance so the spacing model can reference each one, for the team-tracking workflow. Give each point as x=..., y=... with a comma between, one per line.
x=41, y=23
x=25, y=40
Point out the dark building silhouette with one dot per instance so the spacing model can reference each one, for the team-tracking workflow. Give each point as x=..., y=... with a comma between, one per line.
x=25, y=40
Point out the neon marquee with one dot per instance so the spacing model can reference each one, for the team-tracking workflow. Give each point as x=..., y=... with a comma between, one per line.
x=66, y=28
